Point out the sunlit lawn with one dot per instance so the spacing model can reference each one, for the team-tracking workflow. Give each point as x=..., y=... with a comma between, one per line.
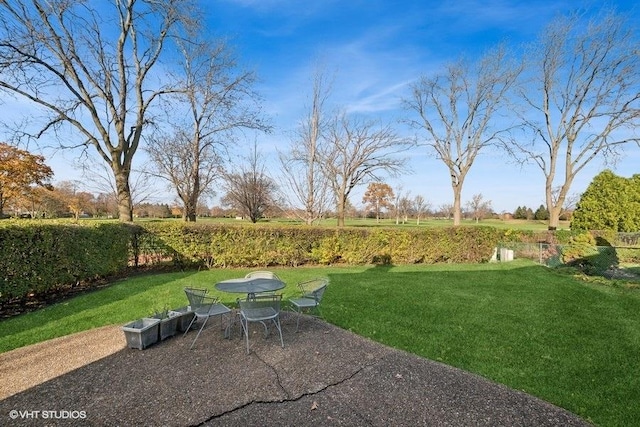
x=570, y=342
x=372, y=222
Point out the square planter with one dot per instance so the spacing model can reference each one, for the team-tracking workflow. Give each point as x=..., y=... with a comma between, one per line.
x=184, y=316
x=168, y=326
x=142, y=333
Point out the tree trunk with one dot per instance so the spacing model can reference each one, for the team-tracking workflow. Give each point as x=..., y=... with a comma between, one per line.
x=189, y=214
x=554, y=217
x=191, y=202
x=555, y=206
x=125, y=204
x=457, y=212
x=340, y=213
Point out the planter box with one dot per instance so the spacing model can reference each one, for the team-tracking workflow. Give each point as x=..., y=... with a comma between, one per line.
x=168, y=326
x=184, y=315
x=142, y=333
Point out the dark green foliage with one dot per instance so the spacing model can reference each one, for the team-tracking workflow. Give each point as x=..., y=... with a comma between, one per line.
x=610, y=202
x=523, y=212
x=541, y=214
x=519, y=213
x=583, y=253
x=39, y=257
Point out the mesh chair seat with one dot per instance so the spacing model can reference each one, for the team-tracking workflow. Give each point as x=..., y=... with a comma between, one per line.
x=214, y=309
x=262, y=309
x=304, y=302
x=259, y=314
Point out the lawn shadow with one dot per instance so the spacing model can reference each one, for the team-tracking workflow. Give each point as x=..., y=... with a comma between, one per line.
x=119, y=290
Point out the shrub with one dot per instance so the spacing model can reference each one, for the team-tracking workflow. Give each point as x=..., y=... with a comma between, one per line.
x=40, y=256
x=583, y=253
x=218, y=245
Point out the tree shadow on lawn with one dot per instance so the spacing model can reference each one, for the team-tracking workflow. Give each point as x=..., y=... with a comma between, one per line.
x=111, y=292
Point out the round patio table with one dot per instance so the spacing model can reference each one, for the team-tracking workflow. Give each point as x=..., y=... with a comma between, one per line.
x=249, y=286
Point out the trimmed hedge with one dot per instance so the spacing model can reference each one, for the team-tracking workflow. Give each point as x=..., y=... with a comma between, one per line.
x=216, y=245
x=39, y=257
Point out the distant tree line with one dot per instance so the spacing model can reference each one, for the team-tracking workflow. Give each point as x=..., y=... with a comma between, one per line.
x=523, y=212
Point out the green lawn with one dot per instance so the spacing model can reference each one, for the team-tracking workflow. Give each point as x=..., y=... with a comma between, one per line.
x=570, y=342
x=516, y=224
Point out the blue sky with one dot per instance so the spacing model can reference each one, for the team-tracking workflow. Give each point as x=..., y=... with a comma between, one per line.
x=374, y=49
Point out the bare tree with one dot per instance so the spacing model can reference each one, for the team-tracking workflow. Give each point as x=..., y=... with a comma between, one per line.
x=304, y=181
x=190, y=171
x=97, y=178
x=478, y=207
x=420, y=206
x=446, y=210
x=401, y=205
x=250, y=190
x=405, y=207
x=582, y=101
x=90, y=70
x=355, y=152
x=215, y=99
x=457, y=109
x=106, y=205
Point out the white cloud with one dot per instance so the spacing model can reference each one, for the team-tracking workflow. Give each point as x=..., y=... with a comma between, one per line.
x=473, y=15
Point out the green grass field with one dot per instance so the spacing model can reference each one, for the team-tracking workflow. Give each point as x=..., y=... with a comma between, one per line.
x=564, y=339
x=514, y=224
x=517, y=224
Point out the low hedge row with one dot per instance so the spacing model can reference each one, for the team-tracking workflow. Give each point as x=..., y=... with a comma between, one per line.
x=40, y=257
x=37, y=257
x=215, y=245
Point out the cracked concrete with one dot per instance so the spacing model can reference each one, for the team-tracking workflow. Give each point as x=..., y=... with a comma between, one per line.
x=323, y=376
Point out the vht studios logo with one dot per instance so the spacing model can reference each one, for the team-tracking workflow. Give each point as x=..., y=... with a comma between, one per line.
x=56, y=415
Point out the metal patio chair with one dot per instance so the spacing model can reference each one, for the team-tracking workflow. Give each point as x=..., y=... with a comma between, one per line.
x=263, y=275
x=262, y=309
x=204, y=307
x=310, y=298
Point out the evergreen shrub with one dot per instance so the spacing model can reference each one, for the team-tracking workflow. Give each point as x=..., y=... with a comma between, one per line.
x=38, y=257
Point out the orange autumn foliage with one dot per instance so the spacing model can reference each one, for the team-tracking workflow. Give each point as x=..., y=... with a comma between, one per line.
x=19, y=172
